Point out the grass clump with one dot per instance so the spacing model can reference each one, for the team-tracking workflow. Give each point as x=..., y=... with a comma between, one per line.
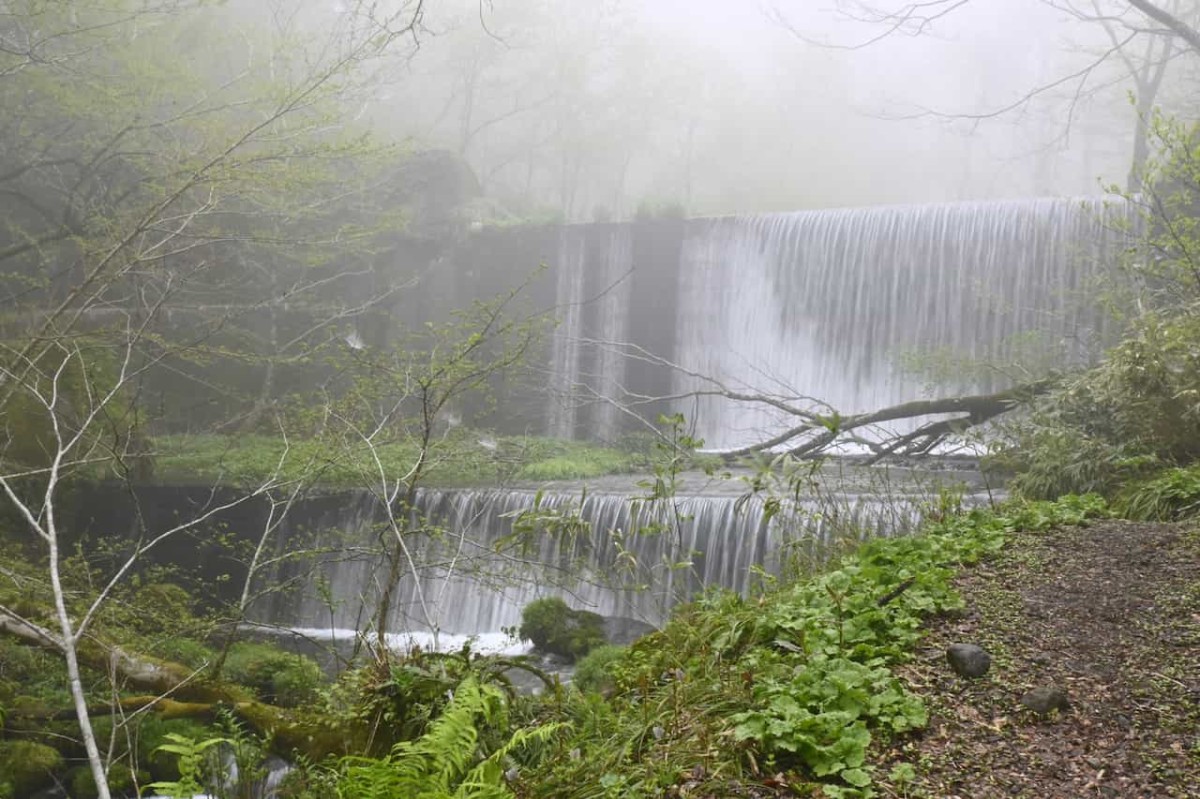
x=581, y=461
x=1171, y=495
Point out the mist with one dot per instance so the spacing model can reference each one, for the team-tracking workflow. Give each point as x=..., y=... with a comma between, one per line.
x=590, y=110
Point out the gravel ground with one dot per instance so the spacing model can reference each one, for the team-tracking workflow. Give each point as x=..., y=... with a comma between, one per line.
x=1110, y=614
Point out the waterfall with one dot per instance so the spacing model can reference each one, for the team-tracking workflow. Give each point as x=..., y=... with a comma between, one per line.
x=826, y=304
x=474, y=578
x=592, y=300
x=820, y=304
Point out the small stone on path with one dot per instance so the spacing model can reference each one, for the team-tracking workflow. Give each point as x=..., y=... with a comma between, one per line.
x=968, y=660
x=1046, y=698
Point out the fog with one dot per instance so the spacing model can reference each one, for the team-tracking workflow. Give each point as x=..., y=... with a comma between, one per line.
x=588, y=110
x=584, y=109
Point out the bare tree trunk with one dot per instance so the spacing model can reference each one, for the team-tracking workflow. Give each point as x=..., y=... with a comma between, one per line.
x=70, y=654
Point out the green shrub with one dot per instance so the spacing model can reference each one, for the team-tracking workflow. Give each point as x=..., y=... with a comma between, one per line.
x=594, y=672
x=1170, y=495
x=185, y=651
x=452, y=758
x=1137, y=411
x=556, y=628
x=27, y=766
x=282, y=678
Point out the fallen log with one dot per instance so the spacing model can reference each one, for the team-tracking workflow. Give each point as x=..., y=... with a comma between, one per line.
x=817, y=433
x=176, y=691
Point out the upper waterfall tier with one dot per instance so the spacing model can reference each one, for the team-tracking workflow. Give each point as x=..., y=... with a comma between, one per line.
x=824, y=304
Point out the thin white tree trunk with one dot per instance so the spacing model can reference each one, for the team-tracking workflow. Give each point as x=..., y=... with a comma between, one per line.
x=95, y=762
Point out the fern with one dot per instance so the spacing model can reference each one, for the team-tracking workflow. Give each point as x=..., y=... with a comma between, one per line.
x=486, y=780
x=446, y=762
x=191, y=755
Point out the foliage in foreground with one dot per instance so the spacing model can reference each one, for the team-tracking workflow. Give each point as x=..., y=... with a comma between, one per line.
x=1138, y=412
x=798, y=681
x=452, y=759
x=1170, y=495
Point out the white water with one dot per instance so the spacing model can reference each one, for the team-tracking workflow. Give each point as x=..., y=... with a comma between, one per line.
x=592, y=301
x=825, y=304
x=475, y=578
x=480, y=643
x=817, y=303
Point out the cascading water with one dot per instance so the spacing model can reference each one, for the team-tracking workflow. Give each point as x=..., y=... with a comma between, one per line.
x=476, y=578
x=823, y=304
x=818, y=303
x=592, y=298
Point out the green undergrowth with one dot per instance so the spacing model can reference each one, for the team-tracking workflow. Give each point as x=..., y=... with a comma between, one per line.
x=464, y=458
x=796, y=682
x=1170, y=495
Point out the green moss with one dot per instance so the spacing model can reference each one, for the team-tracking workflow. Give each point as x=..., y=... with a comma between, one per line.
x=120, y=781
x=556, y=628
x=185, y=651
x=35, y=678
x=27, y=766
x=278, y=677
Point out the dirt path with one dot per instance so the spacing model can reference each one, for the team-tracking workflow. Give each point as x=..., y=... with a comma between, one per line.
x=1111, y=615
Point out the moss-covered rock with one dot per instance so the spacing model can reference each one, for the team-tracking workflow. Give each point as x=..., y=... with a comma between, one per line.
x=26, y=767
x=554, y=627
x=281, y=678
x=120, y=781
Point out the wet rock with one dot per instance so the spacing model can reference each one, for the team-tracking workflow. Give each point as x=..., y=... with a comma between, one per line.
x=624, y=631
x=1046, y=698
x=968, y=660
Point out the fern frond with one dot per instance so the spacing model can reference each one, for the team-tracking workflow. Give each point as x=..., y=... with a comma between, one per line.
x=486, y=780
x=431, y=766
